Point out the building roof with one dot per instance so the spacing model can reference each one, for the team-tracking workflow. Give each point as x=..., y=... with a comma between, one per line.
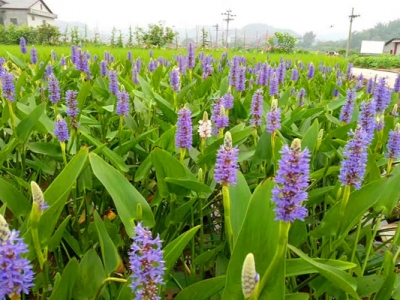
x=392, y=40
x=22, y=4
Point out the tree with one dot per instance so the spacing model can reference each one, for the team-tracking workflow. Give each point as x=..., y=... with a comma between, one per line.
x=120, y=41
x=204, y=36
x=285, y=41
x=157, y=35
x=48, y=35
x=308, y=39
x=112, y=39
x=129, y=44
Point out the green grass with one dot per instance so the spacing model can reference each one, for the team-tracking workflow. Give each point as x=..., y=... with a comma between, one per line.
x=121, y=53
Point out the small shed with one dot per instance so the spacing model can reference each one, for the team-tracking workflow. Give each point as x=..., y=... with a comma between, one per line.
x=392, y=47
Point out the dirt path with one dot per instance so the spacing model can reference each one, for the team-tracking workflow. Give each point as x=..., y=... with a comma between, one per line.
x=368, y=73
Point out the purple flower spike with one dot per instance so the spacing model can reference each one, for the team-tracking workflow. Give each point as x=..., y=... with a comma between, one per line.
x=370, y=86
x=123, y=103
x=347, y=110
x=191, y=56
x=311, y=71
x=256, y=111
x=241, y=79
x=353, y=166
x=54, y=89
x=112, y=76
x=72, y=109
x=61, y=130
x=219, y=117
x=183, y=138
x=16, y=271
x=227, y=162
x=22, y=45
x=295, y=74
x=103, y=68
x=381, y=96
x=396, y=87
x=175, y=79
x=34, y=55
x=274, y=117
x=273, y=86
x=291, y=183
x=8, y=87
x=393, y=145
x=367, y=119
x=227, y=100
x=147, y=265
x=301, y=95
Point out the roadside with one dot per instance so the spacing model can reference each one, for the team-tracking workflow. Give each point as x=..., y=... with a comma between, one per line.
x=368, y=73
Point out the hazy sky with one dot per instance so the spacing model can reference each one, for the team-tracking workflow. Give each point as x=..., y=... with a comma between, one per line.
x=300, y=16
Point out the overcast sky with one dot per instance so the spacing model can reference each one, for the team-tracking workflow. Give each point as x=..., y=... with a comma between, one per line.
x=300, y=16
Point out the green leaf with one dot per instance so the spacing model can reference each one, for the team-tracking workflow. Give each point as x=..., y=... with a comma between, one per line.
x=240, y=196
x=15, y=200
x=25, y=127
x=337, y=277
x=310, y=137
x=64, y=289
x=16, y=61
x=298, y=296
x=202, y=290
x=108, y=250
x=191, y=185
x=387, y=287
x=91, y=276
x=258, y=235
x=125, y=196
x=67, y=178
x=56, y=238
x=174, y=249
x=298, y=266
x=146, y=88
x=44, y=148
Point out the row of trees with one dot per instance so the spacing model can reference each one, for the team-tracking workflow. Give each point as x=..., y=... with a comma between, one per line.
x=44, y=35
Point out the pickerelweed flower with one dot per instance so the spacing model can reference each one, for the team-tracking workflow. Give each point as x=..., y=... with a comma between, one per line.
x=103, y=68
x=281, y=72
x=37, y=196
x=72, y=109
x=129, y=56
x=205, y=127
x=191, y=56
x=53, y=55
x=219, y=117
x=135, y=75
x=301, y=96
x=291, y=183
x=123, y=103
x=366, y=119
x=2, y=69
x=74, y=53
x=347, y=109
x=273, y=86
x=295, y=74
x=396, y=86
x=16, y=271
x=8, y=87
x=63, y=62
x=353, y=166
x=22, y=45
x=146, y=263
x=370, y=86
x=54, y=89
x=48, y=70
x=393, y=145
x=250, y=276
x=227, y=100
x=112, y=77
x=227, y=162
x=182, y=64
x=175, y=79
x=82, y=63
x=273, y=117
x=263, y=75
x=61, y=130
x=152, y=66
x=233, y=72
x=380, y=122
x=241, y=79
x=311, y=71
x=183, y=138
x=34, y=55
x=257, y=108
x=349, y=74
x=381, y=95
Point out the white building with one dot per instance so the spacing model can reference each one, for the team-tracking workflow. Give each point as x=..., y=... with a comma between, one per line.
x=392, y=46
x=25, y=12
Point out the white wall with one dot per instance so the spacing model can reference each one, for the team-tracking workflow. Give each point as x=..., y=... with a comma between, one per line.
x=39, y=20
x=389, y=47
x=37, y=6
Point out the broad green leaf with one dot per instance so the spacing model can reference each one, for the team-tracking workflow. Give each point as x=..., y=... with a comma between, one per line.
x=388, y=285
x=17, y=61
x=15, y=200
x=258, y=235
x=310, y=137
x=174, y=249
x=56, y=238
x=191, y=185
x=298, y=296
x=298, y=266
x=67, y=178
x=338, y=277
x=108, y=250
x=64, y=289
x=202, y=290
x=125, y=196
x=91, y=276
x=27, y=124
x=240, y=196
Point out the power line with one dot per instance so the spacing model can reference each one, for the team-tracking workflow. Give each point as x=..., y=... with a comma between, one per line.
x=216, y=32
x=352, y=16
x=228, y=13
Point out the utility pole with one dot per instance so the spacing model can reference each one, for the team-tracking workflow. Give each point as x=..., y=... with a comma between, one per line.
x=352, y=16
x=228, y=15
x=235, y=38
x=216, y=34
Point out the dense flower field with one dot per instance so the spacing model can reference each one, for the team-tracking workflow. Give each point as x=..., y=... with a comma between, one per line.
x=198, y=176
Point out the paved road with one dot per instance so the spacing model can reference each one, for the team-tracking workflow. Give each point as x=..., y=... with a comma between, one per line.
x=368, y=73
